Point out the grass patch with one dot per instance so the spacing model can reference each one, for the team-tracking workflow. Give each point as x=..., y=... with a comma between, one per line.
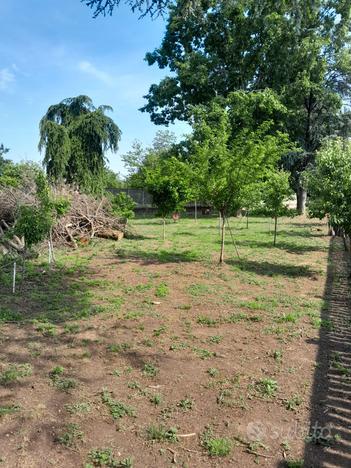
x=10, y=409
x=150, y=370
x=116, y=408
x=105, y=457
x=70, y=436
x=198, y=290
x=162, y=290
x=78, y=408
x=215, y=446
x=14, y=372
x=161, y=433
x=118, y=348
x=205, y=320
x=61, y=383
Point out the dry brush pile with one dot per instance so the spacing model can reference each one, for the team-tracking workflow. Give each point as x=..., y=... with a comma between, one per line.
x=87, y=217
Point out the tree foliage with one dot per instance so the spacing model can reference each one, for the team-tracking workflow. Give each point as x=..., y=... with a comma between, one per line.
x=144, y=7
x=329, y=184
x=139, y=158
x=75, y=136
x=18, y=175
x=227, y=159
x=230, y=157
x=34, y=222
x=169, y=183
x=298, y=48
x=276, y=191
x=123, y=205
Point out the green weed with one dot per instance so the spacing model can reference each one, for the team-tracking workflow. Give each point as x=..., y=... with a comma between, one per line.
x=161, y=433
x=14, y=372
x=117, y=409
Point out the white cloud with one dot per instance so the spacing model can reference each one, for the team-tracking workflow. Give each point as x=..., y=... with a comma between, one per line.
x=6, y=78
x=91, y=70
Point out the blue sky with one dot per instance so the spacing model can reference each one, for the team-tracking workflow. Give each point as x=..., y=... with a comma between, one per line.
x=53, y=49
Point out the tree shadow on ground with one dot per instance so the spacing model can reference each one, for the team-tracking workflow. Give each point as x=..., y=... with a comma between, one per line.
x=54, y=294
x=307, y=225
x=184, y=233
x=273, y=269
x=304, y=233
x=328, y=441
x=157, y=256
x=134, y=236
x=289, y=247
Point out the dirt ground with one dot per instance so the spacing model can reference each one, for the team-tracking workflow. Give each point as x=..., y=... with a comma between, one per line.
x=150, y=354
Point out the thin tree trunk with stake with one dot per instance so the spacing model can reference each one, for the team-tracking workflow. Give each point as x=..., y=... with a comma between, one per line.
x=164, y=228
x=221, y=257
x=275, y=230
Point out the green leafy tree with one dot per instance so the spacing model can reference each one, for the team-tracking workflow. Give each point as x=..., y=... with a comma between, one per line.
x=169, y=183
x=329, y=185
x=138, y=159
x=75, y=137
x=276, y=192
x=298, y=48
x=34, y=222
x=123, y=205
x=19, y=175
x=226, y=164
x=112, y=180
x=251, y=199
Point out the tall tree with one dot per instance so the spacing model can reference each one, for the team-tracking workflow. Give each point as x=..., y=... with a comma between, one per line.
x=227, y=160
x=299, y=48
x=75, y=136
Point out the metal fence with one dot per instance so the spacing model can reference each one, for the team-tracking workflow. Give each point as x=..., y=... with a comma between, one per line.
x=141, y=197
x=144, y=201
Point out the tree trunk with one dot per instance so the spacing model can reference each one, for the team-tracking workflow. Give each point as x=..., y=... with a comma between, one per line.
x=221, y=257
x=301, y=197
x=275, y=230
x=164, y=228
x=247, y=220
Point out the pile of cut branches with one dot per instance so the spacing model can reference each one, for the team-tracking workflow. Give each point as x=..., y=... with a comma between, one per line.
x=87, y=218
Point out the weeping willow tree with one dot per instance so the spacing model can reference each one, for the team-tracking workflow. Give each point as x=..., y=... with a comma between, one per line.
x=75, y=136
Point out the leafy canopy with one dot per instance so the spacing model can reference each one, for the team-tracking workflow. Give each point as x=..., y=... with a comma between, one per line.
x=169, y=183
x=299, y=48
x=138, y=159
x=276, y=191
x=329, y=183
x=123, y=205
x=75, y=136
x=228, y=158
